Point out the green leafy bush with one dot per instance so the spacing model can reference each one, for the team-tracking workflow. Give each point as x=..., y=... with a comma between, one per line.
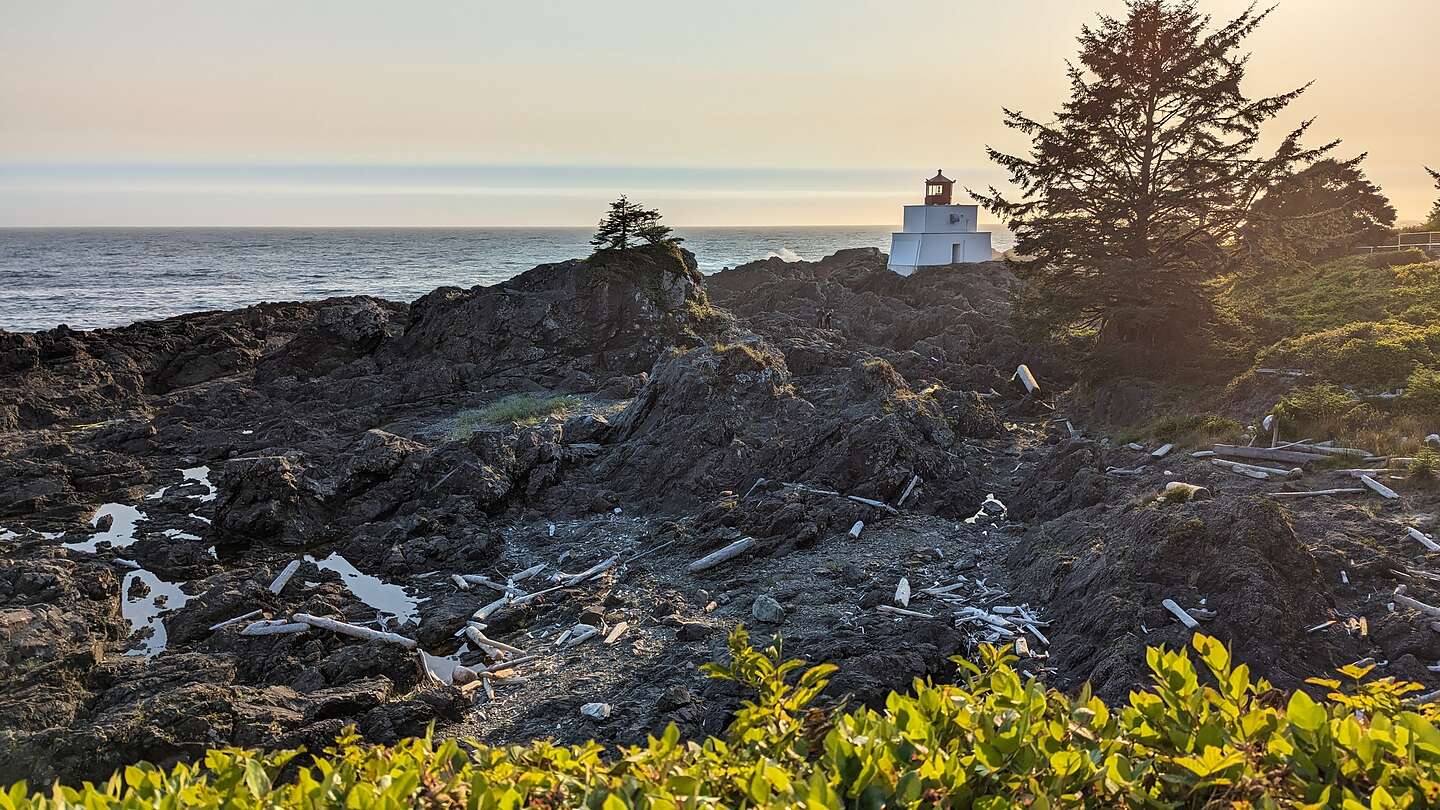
x=1312, y=406
x=1422, y=392
x=524, y=409
x=1208, y=736
x=1425, y=465
x=1374, y=355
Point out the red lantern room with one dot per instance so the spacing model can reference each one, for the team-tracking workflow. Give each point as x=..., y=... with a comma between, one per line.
x=938, y=189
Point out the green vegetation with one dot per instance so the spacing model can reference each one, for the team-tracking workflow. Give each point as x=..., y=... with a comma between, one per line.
x=524, y=409
x=1321, y=211
x=1425, y=465
x=627, y=223
x=1206, y=736
x=1339, y=293
x=1433, y=223
x=1187, y=430
x=1134, y=191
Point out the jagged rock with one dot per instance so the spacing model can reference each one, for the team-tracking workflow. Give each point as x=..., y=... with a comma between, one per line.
x=765, y=609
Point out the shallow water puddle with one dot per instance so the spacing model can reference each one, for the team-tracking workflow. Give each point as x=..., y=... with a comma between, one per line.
x=121, y=532
x=200, y=475
x=373, y=591
x=144, y=611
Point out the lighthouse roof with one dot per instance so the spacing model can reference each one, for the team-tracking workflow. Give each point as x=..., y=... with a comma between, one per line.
x=939, y=177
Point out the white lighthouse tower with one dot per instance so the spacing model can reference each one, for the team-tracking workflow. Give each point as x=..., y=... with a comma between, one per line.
x=938, y=233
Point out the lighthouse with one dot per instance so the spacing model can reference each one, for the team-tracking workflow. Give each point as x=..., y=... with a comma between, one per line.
x=938, y=232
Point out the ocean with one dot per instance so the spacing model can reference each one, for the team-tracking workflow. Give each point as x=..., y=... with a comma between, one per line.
x=90, y=278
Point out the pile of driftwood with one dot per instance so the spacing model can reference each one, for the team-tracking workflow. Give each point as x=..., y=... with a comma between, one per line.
x=975, y=608
x=483, y=660
x=1302, y=455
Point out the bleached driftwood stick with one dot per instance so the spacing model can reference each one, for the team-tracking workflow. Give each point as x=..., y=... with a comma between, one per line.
x=1122, y=471
x=904, y=612
x=1315, y=493
x=1162, y=451
x=1356, y=473
x=1241, y=469
x=1327, y=450
x=460, y=582
x=274, y=627
x=1027, y=379
x=284, y=577
x=1266, y=454
x=857, y=528
x=489, y=610
x=593, y=571
x=252, y=614
x=908, y=488
x=1402, y=599
x=528, y=572
x=872, y=502
x=504, y=665
x=1034, y=631
x=1380, y=489
x=1248, y=468
x=474, y=634
x=1180, y=613
x=1423, y=539
x=758, y=482
x=579, y=637
x=617, y=631
x=902, y=593
x=475, y=579
x=731, y=551
x=532, y=596
x=355, y=630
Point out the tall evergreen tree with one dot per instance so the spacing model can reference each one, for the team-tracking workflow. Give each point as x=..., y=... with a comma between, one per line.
x=1319, y=212
x=1133, y=194
x=1434, y=222
x=627, y=223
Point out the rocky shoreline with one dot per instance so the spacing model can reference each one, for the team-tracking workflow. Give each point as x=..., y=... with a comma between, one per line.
x=155, y=480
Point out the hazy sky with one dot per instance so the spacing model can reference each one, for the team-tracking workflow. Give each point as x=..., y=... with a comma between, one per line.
x=534, y=112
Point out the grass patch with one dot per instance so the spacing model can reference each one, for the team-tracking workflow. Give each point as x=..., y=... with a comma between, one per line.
x=1186, y=430
x=523, y=409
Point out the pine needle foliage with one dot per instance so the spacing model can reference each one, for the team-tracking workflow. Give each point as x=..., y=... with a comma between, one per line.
x=1204, y=734
x=1433, y=223
x=1323, y=211
x=1132, y=195
x=627, y=224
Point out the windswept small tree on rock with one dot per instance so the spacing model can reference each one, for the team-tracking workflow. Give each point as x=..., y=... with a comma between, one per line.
x=1133, y=194
x=627, y=224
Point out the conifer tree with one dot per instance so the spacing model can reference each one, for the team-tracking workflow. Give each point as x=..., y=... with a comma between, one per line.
x=1319, y=212
x=1133, y=194
x=628, y=223
x=1433, y=224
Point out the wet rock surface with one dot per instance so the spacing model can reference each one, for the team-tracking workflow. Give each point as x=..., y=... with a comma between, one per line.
x=846, y=426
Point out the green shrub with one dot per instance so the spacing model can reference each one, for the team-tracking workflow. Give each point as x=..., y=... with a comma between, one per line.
x=524, y=409
x=1197, y=737
x=1378, y=356
x=1422, y=392
x=1313, y=406
x=1187, y=430
x=1425, y=466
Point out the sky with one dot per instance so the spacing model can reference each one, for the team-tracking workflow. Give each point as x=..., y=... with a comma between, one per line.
x=488, y=113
